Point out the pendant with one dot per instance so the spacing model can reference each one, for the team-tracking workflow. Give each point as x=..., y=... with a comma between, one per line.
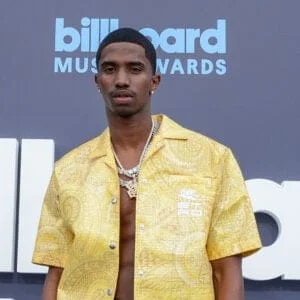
x=131, y=189
x=130, y=186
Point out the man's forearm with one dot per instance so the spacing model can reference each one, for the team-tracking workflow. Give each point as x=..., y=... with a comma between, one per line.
x=229, y=289
x=51, y=283
x=227, y=278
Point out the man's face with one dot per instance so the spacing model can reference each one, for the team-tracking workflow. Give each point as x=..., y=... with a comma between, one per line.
x=125, y=79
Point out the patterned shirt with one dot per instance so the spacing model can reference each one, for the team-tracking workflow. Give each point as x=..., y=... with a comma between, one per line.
x=191, y=207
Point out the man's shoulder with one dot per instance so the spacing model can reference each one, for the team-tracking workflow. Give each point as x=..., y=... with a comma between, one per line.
x=205, y=141
x=79, y=155
x=196, y=139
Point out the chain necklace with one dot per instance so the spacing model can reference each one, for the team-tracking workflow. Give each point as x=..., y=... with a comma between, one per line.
x=133, y=173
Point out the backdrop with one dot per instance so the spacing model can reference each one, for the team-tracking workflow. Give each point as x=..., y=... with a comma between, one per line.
x=229, y=70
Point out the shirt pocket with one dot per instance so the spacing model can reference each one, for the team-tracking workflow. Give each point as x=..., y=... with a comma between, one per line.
x=189, y=187
x=185, y=203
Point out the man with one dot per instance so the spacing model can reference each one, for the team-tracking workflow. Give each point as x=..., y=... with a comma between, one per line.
x=148, y=210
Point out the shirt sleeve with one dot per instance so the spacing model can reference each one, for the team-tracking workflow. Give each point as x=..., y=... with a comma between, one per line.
x=53, y=237
x=233, y=226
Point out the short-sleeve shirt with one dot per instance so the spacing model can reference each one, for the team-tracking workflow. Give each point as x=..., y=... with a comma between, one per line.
x=192, y=207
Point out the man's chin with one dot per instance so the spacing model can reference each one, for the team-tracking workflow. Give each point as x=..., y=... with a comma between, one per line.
x=125, y=112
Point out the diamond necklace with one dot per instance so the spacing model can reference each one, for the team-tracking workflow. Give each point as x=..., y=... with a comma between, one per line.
x=133, y=173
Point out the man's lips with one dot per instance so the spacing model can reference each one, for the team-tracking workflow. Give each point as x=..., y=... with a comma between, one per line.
x=122, y=97
x=122, y=94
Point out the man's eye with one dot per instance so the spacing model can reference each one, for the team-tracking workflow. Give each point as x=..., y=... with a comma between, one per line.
x=136, y=69
x=108, y=69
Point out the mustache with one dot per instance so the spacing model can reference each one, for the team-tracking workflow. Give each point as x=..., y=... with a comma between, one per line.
x=122, y=93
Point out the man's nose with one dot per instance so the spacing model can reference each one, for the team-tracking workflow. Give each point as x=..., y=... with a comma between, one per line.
x=122, y=78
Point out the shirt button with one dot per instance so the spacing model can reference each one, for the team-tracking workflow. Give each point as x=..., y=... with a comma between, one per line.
x=114, y=200
x=112, y=245
x=109, y=292
x=144, y=180
x=141, y=273
x=142, y=226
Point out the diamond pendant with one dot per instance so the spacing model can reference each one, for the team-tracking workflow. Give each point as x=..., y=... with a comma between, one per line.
x=130, y=186
x=131, y=189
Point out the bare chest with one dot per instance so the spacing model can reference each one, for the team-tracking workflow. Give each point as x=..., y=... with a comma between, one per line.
x=125, y=285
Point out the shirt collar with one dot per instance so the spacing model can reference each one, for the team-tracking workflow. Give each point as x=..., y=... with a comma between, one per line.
x=168, y=129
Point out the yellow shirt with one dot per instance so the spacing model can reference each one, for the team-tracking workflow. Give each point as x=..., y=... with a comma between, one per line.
x=192, y=207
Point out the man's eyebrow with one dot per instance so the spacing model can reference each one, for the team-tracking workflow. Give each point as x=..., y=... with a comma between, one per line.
x=108, y=62
x=131, y=62
x=136, y=62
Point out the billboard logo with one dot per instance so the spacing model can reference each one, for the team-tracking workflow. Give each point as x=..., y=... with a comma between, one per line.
x=175, y=45
x=170, y=40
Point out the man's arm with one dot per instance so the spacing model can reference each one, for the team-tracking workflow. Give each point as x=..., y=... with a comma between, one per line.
x=227, y=278
x=51, y=283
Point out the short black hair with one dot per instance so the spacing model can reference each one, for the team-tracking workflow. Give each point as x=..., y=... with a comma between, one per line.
x=129, y=35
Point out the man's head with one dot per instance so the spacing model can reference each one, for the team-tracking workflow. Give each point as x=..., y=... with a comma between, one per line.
x=126, y=62
x=129, y=35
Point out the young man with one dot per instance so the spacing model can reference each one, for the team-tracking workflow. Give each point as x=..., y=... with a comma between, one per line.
x=149, y=209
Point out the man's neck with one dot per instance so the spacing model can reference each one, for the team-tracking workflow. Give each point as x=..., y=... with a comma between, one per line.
x=129, y=133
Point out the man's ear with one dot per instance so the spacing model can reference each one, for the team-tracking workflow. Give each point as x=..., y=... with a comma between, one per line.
x=155, y=82
x=96, y=79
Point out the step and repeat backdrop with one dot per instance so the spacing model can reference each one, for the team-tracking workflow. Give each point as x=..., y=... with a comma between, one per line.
x=229, y=70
